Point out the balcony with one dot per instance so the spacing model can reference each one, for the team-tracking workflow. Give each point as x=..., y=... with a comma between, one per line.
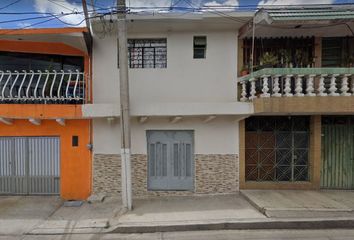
x=299, y=90
x=43, y=87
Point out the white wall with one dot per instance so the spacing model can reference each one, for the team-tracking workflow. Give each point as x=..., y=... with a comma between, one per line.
x=184, y=80
x=219, y=136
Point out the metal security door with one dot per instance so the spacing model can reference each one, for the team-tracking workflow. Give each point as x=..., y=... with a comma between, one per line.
x=337, y=170
x=29, y=165
x=277, y=149
x=170, y=160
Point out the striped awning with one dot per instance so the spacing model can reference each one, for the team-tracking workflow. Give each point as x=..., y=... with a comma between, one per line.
x=306, y=14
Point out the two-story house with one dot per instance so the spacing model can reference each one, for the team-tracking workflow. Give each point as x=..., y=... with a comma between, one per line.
x=184, y=107
x=301, y=85
x=44, y=139
x=219, y=102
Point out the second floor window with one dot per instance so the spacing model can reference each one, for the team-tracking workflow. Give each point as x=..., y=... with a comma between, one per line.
x=199, y=47
x=147, y=53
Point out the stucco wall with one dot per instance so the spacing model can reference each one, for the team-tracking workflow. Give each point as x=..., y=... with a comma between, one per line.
x=184, y=80
x=219, y=136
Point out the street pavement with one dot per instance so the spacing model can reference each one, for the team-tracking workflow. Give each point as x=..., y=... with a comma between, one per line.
x=205, y=235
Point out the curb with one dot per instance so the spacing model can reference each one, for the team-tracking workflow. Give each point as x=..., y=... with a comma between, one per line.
x=240, y=225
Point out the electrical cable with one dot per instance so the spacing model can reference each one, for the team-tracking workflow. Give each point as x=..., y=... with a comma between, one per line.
x=10, y=4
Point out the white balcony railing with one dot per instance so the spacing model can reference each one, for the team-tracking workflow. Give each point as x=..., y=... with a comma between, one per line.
x=43, y=87
x=297, y=82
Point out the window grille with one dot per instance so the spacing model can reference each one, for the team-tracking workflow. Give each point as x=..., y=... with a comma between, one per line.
x=147, y=53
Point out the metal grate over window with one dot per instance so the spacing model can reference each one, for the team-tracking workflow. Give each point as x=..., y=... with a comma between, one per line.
x=277, y=149
x=147, y=53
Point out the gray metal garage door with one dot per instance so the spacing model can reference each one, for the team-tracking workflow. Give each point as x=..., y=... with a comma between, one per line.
x=171, y=161
x=29, y=165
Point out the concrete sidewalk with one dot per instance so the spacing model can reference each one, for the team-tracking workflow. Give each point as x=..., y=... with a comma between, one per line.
x=19, y=215
x=301, y=203
x=87, y=218
x=286, y=209
x=250, y=209
x=175, y=213
x=182, y=209
x=47, y=215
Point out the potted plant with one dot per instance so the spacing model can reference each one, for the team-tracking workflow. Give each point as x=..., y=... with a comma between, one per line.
x=268, y=60
x=297, y=58
x=285, y=57
x=244, y=70
x=301, y=58
x=351, y=61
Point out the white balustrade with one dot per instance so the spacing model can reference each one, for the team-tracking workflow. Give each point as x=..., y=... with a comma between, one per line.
x=298, y=87
x=321, y=88
x=287, y=87
x=309, y=86
x=345, y=86
x=253, y=89
x=327, y=85
x=265, y=88
x=333, y=88
x=276, y=88
x=42, y=86
x=243, y=92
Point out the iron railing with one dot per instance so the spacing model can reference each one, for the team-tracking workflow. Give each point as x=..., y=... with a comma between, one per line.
x=44, y=87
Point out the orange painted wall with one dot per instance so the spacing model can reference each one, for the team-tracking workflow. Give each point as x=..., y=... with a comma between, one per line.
x=75, y=179
x=42, y=111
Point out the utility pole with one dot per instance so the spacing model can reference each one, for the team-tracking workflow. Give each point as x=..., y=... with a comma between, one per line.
x=124, y=105
x=87, y=19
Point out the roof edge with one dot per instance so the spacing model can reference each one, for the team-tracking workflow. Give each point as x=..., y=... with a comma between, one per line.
x=32, y=31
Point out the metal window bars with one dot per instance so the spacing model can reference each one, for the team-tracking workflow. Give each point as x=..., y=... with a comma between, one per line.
x=43, y=87
x=147, y=53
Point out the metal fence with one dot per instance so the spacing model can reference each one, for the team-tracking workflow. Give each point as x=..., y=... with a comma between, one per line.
x=43, y=87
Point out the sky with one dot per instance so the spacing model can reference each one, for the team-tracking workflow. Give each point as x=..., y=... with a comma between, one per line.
x=68, y=13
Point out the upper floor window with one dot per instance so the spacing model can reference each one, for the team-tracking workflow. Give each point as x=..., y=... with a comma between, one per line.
x=199, y=47
x=147, y=53
x=13, y=61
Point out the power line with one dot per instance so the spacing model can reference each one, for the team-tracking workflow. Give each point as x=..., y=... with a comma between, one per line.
x=61, y=5
x=222, y=14
x=41, y=22
x=10, y=4
x=41, y=13
x=191, y=8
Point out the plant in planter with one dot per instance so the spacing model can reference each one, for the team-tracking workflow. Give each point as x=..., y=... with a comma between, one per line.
x=298, y=57
x=351, y=61
x=245, y=70
x=285, y=57
x=305, y=61
x=302, y=58
x=268, y=60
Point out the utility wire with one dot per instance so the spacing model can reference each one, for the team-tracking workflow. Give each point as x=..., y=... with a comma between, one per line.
x=41, y=22
x=53, y=16
x=61, y=5
x=10, y=4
